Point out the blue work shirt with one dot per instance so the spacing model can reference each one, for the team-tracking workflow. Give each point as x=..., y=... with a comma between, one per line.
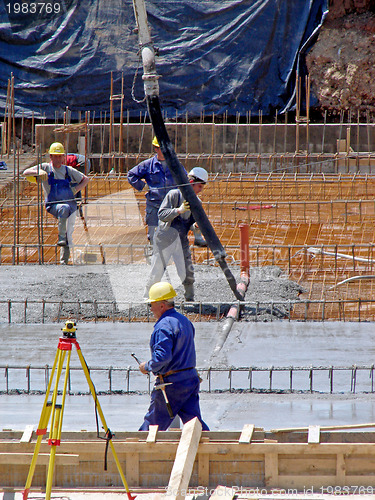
x=158, y=178
x=172, y=345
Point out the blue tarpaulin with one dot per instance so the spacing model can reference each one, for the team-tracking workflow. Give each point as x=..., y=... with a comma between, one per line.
x=215, y=56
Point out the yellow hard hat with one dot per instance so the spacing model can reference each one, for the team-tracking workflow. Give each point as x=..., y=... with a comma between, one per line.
x=161, y=291
x=31, y=178
x=56, y=149
x=155, y=142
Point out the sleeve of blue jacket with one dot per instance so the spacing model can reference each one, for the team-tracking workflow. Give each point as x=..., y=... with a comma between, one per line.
x=135, y=176
x=172, y=344
x=162, y=345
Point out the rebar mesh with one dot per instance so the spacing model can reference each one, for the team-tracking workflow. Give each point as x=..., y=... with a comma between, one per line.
x=319, y=229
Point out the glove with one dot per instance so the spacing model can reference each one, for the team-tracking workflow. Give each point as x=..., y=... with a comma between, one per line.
x=184, y=207
x=43, y=176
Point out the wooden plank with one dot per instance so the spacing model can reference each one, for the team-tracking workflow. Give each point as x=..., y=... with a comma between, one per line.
x=220, y=448
x=27, y=434
x=152, y=431
x=326, y=427
x=314, y=434
x=271, y=470
x=203, y=469
x=185, y=457
x=302, y=464
x=43, y=459
x=247, y=433
x=132, y=468
x=357, y=464
x=223, y=492
x=340, y=468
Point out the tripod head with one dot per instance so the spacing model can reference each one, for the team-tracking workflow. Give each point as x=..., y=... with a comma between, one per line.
x=69, y=330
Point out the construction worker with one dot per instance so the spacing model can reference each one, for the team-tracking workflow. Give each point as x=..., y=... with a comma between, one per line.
x=171, y=236
x=78, y=162
x=173, y=361
x=155, y=173
x=60, y=184
x=83, y=165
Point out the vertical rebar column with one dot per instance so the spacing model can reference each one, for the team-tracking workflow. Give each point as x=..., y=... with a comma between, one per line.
x=17, y=155
x=307, y=113
x=120, y=145
x=244, y=248
x=14, y=212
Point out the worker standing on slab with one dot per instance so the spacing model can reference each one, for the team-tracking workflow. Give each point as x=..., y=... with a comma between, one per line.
x=173, y=360
x=155, y=173
x=60, y=184
x=171, y=237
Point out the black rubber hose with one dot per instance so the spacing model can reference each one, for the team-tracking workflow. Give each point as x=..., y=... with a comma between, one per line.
x=187, y=191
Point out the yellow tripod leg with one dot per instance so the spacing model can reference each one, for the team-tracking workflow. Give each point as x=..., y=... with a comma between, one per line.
x=104, y=423
x=42, y=429
x=43, y=423
x=56, y=421
x=53, y=444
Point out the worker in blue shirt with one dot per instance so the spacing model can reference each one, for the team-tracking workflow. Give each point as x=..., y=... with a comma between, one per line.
x=173, y=362
x=155, y=173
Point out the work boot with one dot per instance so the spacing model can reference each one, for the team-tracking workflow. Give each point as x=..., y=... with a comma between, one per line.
x=62, y=241
x=199, y=241
x=189, y=292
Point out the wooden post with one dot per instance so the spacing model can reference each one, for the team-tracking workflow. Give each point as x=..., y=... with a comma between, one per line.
x=314, y=434
x=152, y=432
x=184, y=461
x=271, y=470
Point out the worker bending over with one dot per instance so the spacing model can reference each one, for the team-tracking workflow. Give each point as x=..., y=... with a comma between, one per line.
x=171, y=236
x=173, y=361
x=60, y=184
x=155, y=173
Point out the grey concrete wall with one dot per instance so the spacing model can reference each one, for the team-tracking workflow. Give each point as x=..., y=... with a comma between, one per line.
x=216, y=139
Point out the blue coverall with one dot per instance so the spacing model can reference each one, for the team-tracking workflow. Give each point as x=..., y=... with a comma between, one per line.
x=172, y=349
x=159, y=180
x=60, y=200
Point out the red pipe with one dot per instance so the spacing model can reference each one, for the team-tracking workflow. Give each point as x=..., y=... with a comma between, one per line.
x=235, y=310
x=244, y=249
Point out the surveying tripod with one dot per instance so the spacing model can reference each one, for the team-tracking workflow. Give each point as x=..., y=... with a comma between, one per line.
x=55, y=412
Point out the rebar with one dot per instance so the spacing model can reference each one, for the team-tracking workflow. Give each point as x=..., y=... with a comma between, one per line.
x=126, y=380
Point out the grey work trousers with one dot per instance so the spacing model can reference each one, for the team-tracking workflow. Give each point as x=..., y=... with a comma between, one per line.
x=182, y=258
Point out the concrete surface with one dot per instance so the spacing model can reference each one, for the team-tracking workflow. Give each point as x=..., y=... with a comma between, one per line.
x=123, y=285
x=249, y=344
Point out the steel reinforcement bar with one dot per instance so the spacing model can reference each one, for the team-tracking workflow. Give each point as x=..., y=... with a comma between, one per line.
x=274, y=379
x=47, y=311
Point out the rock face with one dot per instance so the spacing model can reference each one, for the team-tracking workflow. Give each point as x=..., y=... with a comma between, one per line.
x=341, y=64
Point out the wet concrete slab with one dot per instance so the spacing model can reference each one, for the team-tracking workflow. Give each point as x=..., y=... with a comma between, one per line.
x=249, y=344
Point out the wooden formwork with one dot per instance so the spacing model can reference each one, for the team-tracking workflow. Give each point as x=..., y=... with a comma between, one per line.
x=312, y=458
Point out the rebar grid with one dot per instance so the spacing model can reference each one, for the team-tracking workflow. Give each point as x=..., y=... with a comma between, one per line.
x=282, y=232
x=272, y=379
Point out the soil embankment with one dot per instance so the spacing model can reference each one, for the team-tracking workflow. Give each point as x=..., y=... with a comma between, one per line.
x=341, y=63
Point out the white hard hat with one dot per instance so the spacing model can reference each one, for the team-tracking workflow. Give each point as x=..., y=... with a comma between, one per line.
x=199, y=173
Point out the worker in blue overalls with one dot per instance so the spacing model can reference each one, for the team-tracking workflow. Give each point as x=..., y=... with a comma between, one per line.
x=60, y=184
x=155, y=173
x=173, y=361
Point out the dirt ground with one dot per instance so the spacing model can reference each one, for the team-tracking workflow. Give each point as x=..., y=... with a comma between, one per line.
x=341, y=63
x=114, y=287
